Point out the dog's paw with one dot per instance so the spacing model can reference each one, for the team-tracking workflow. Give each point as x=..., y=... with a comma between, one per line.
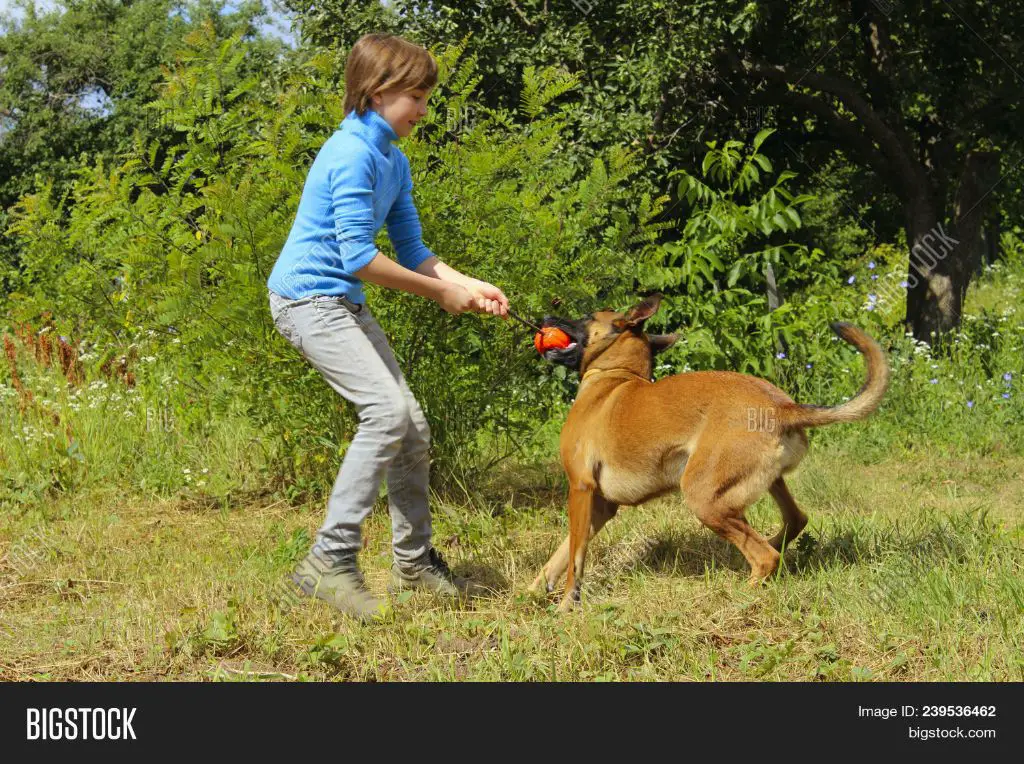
x=570, y=601
x=540, y=586
x=567, y=605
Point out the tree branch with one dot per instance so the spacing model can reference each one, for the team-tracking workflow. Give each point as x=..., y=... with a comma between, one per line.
x=517, y=9
x=910, y=174
x=874, y=33
x=843, y=130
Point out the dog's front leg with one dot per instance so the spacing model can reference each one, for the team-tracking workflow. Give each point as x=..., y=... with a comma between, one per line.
x=581, y=510
x=601, y=512
x=552, y=570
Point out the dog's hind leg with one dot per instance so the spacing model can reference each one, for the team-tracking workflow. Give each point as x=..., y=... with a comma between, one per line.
x=729, y=523
x=601, y=512
x=793, y=520
x=720, y=500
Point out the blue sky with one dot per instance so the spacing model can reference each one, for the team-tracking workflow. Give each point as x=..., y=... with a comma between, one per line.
x=277, y=26
x=6, y=6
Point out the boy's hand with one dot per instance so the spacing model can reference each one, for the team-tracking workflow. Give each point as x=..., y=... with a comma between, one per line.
x=489, y=299
x=455, y=299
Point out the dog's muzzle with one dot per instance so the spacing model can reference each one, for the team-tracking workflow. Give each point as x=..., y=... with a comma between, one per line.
x=572, y=355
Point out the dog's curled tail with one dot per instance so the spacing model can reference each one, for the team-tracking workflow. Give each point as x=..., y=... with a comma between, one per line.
x=863, y=403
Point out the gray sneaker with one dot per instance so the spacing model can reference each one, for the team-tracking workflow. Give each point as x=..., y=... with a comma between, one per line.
x=338, y=583
x=430, y=573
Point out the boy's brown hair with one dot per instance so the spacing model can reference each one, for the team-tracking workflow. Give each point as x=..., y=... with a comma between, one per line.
x=379, y=62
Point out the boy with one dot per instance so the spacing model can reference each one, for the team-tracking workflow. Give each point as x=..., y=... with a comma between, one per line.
x=358, y=182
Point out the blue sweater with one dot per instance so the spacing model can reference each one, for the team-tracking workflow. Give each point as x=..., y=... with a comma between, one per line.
x=357, y=182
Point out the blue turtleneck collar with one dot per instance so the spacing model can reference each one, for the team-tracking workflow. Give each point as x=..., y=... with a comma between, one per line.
x=372, y=128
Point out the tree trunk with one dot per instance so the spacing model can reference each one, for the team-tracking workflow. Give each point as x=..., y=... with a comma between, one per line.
x=774, y=301
x=990, y=245
x=942, y=261
x=974, y=201
x=929, y=291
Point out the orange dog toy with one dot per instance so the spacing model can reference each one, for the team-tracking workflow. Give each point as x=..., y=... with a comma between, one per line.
x=550, y=338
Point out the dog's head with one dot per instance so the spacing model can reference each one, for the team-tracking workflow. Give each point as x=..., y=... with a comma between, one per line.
x=617, y=337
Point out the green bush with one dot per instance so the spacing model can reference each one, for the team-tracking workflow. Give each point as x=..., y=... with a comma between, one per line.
x=160, y=264
x=716, y=271
x=167, y=254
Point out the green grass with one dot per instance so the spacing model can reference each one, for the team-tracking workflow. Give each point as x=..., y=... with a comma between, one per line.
x=142, y=549
x=908, y=571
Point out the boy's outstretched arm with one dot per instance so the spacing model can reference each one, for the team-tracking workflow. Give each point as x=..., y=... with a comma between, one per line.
x=406, y=235
x=386, y=272
x=489, y=297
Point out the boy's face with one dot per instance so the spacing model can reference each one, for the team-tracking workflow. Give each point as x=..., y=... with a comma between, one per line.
x=402, y=110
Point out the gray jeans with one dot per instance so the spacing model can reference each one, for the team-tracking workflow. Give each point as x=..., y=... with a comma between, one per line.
x=344, y=342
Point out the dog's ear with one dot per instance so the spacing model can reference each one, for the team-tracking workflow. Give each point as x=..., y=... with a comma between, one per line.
x=639, y=313
x=661, y=342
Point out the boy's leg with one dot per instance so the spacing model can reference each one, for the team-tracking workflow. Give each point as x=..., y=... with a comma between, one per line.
x=417, y=564
x=337, y=342
x=408, y=475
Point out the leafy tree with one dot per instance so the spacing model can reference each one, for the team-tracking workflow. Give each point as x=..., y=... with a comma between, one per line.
x=76, y=81
x=921, y=96
x=736, y=237
x=924, y=94
x=178, y=239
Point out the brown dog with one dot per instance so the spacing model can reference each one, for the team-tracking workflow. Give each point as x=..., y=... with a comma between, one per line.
x=720, y=437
